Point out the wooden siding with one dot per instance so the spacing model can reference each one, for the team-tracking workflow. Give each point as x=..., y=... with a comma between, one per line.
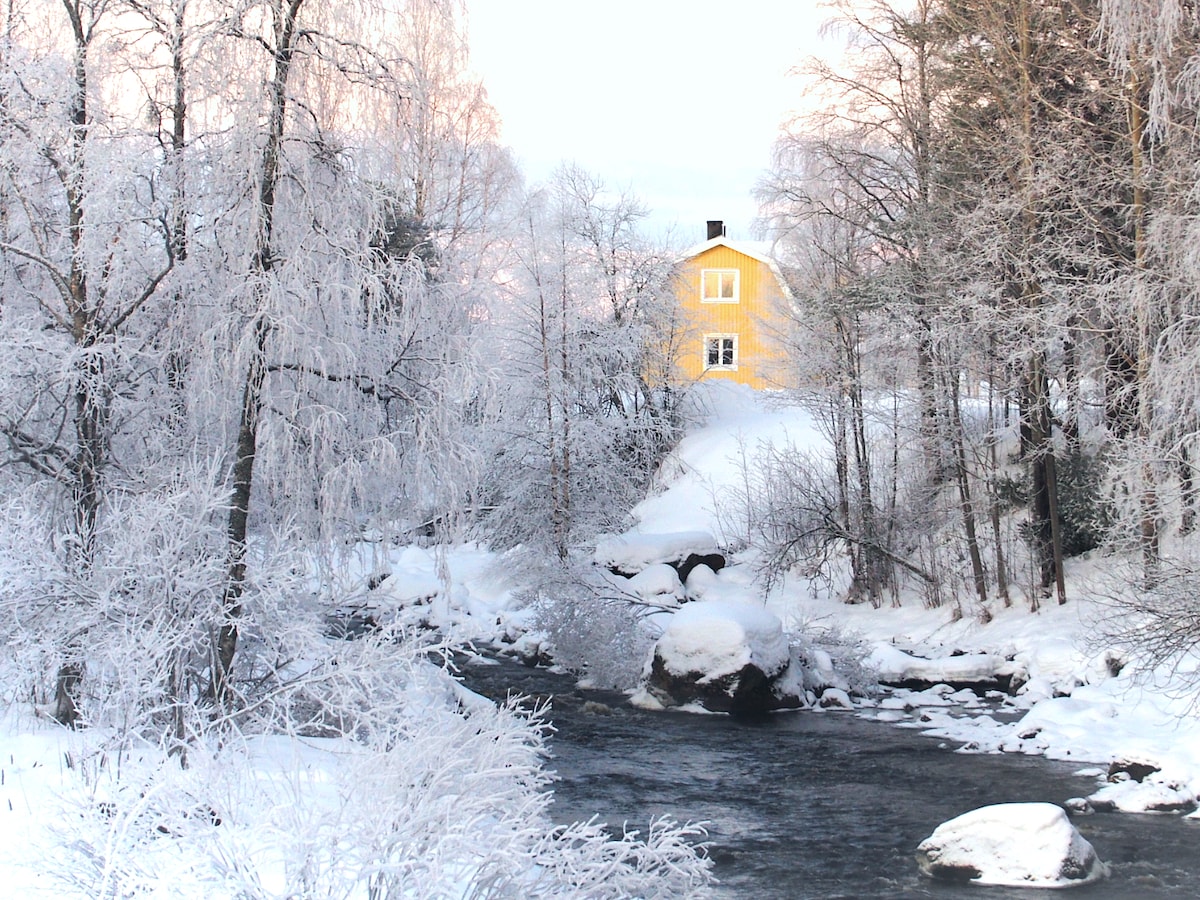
x=759, y=295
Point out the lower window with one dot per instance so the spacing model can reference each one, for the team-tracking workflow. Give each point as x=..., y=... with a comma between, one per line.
x=720, y=351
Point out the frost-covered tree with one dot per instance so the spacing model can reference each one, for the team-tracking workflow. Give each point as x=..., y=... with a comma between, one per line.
x=877, y=131
x=452, y=173
x=87, y=247
x=220, y=295
x=349, y=361
x=589, y=404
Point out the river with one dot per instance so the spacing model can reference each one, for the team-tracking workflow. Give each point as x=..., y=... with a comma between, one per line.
x=820, y=804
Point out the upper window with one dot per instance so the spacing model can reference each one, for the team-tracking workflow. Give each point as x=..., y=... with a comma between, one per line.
x=720, y=351
x=719, y=285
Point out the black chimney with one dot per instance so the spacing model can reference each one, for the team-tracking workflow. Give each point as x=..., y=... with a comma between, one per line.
x=716, y=228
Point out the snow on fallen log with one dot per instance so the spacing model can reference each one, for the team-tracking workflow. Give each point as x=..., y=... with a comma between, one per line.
x=1011, y=845
x=900, y=669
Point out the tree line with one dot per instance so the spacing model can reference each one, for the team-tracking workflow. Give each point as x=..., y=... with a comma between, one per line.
x=989, y=220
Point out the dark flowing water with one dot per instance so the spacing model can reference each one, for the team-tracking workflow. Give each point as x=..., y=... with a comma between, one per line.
x=821, y=805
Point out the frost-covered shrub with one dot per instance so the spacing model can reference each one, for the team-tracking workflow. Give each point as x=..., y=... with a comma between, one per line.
x=583, y=860
x=592, y=629
x=133, y=621
x=1154, y=620
x=831, y=657
x=419, y=789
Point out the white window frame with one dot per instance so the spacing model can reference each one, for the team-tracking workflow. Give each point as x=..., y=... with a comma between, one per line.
x=720, y=348
x=737, y=285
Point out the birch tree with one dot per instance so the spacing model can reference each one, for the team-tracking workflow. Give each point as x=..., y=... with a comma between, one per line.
x=329, y=320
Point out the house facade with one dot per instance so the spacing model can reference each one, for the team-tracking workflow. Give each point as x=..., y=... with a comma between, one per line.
x=731, y=294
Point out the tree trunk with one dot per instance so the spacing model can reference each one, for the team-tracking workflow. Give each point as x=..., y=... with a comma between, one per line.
x=177, y=361
x=1148, y=498
x=1038, y=421
x=964, y=496
x=565, y=404
x=1044, y=519
x=871, y=569
x=254, y=383
x=239, y=515
x=994, y=502
x=88, y=411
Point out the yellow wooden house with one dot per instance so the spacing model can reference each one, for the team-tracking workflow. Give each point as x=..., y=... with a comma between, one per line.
x=731, y=294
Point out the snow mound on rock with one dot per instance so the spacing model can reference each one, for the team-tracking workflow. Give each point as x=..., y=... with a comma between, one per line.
x=1154, y=795
x=633, y=551
x=721, y=637
x=1011, y=844
x=658, y=585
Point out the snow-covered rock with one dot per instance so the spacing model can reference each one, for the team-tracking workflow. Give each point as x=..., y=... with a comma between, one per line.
x=726, y=655
x=835, y=698
x=658, y=585
x=633, y=551
x=719, y=637
x=1153, y=795
x=699, y=581
x=1012, y=844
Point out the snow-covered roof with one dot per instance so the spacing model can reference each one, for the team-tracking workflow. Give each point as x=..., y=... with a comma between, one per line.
x=758, y=250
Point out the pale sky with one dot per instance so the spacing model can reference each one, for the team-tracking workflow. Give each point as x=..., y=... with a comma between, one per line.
x=679, y=100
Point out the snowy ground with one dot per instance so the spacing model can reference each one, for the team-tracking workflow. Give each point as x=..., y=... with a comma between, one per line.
x=440, y=793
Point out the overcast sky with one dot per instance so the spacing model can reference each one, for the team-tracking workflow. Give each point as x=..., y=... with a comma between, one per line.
x=678, y=99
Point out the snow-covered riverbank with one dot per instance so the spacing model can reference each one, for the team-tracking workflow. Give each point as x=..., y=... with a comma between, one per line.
x=1079, y=696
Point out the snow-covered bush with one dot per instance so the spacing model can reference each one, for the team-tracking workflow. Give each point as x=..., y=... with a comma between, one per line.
x=414, y=788
x=832, y=657
x=592, y=629
x=583, y=860
x=133, y=623
x=805, y=518
x=1155, y=622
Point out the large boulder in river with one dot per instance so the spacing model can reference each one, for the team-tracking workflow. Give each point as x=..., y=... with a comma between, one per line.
x=1011, y=844
x=726, y=655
